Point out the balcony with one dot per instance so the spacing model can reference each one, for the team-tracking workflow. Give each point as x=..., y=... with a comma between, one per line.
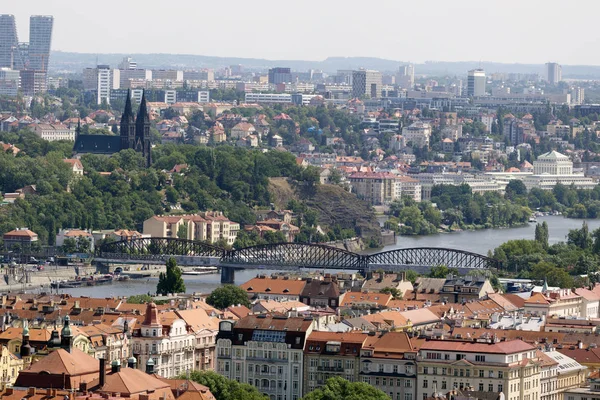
x=330, y=369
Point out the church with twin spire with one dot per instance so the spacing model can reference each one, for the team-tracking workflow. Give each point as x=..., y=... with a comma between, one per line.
x=134, y=134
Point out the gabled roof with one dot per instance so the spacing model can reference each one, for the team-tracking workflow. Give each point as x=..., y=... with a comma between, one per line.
x=279, y=286
x=130, y=381
x=62, y=362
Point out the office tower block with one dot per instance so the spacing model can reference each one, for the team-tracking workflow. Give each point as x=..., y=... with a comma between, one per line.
x=553, y=73
x=10, y=56
x=366, y=83
x=40, y=38
x=476, y=82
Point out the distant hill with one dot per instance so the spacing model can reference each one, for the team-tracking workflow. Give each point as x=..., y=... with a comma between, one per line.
x=75, y=62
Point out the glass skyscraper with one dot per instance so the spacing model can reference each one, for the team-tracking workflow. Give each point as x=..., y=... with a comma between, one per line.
x=10, y=56
x=40, y=37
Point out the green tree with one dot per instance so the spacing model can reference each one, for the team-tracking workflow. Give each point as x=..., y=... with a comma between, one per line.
x=514, y=189
x=228, y=295
x=580, y=237
x=223, y=388
x=542, y=234
x=182, y=231
x=139, y=299
x=393, y=291
x=69, y=246
x=170, y=281
x=441, y=271
x=338, y=388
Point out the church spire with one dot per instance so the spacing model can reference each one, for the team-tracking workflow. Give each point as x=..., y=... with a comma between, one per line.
x=143, y=111
x=142, y=131
x=127, y=113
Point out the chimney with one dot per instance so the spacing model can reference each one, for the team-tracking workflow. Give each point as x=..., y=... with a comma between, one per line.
x=150, y=366
x=31, y=391
x=131, y=362
x=102, y=372
x=115, y=366
x=8, y=391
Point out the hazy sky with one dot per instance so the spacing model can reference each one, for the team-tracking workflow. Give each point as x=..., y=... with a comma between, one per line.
x=513, y=31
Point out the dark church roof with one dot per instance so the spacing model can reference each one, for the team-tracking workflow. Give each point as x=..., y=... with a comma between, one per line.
x=97, y=144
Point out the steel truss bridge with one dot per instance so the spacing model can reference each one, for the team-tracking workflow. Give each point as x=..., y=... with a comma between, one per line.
x=286, y=256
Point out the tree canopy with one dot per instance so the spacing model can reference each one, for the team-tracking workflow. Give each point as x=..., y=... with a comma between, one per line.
x=338, y=388
x=171, y=280
x=223, y=388
x=228, y=295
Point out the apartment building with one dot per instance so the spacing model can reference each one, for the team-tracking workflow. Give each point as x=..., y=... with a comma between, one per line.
x=265, y=352
x=330, y=354
x=558, y=303
x=52, y=132
x=378, y=188
x=101, y=80
x=366, y=83
x=558, y=373
x=388, y=362
x=166, y=340
x=210, y=226
x=418, y=134
x=509, y=367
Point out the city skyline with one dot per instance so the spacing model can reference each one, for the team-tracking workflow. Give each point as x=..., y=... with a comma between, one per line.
x=526, y=42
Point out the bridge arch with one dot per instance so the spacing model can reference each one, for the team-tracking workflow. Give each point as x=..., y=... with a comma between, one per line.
x=295, y=255
x=157, y=248
x=431, y=256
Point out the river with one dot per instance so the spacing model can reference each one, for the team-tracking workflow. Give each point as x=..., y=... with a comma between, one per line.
x=475, y=241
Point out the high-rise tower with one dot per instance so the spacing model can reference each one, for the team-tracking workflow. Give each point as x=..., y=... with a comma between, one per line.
x=40, y=38
x=10, y=55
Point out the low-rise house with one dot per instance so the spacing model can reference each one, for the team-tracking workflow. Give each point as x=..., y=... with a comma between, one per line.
x=20, y=237
x=76, y=165
x=559, y=303
x=466, y=288
x=274, y=288
x=590, y=302
x=75, y=234
x=242, y=130
x=380, y=281
x=281, y=307
x=321, y=292
x=365, y=301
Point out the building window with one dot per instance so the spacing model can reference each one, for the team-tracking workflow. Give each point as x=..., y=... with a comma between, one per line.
x=500, y=387
x=490, y=388
x=425, y=383
x=500, y=374
x=481, y=387
x=481, y=373
x=480, y=358
x=425, y=370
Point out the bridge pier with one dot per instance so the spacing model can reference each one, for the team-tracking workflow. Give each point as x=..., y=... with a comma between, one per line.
x=227, y=275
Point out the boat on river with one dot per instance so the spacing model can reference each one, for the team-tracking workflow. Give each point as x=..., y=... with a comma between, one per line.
x=83, y=281
x=200, y=271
